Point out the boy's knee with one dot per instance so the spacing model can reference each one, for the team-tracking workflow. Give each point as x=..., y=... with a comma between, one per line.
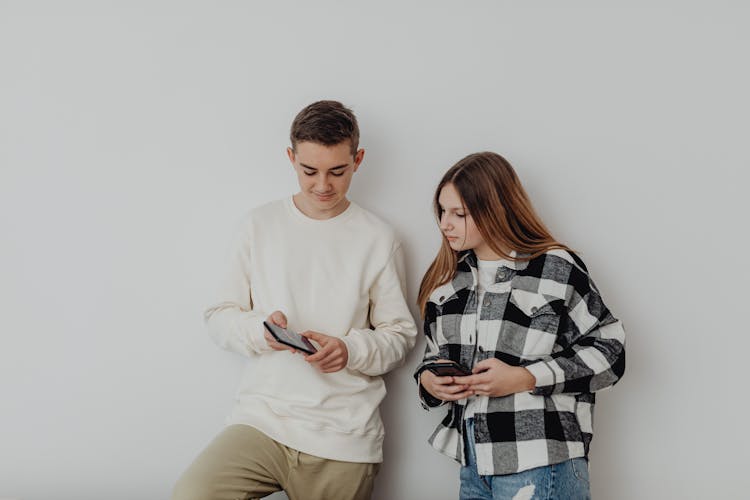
x=192, y=486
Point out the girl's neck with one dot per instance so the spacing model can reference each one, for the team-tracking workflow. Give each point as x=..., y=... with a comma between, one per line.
x=484, y=252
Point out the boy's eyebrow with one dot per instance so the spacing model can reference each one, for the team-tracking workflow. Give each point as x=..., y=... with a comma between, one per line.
x=338, y=167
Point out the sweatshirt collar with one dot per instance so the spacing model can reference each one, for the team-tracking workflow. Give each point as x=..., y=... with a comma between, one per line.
x=298, y=214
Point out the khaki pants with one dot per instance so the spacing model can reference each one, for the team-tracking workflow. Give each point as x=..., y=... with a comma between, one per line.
x=242, y=463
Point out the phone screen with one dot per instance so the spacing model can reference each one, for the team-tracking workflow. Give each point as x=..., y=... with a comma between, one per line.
x=447, y=369
x=290, y=338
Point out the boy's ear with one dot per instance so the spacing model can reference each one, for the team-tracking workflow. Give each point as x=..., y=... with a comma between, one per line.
x=290, y=154
x=358, y=156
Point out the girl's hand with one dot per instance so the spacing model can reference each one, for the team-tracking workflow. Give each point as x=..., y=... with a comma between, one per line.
x=494, y=378
x=443, y=388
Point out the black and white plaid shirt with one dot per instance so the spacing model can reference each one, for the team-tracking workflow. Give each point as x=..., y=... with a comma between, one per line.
x=547, y=316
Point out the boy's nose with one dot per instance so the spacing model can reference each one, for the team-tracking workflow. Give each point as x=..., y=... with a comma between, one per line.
x=323, y=185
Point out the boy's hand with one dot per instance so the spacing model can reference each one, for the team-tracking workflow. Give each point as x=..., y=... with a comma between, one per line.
x=332, y=355
x=278, y=318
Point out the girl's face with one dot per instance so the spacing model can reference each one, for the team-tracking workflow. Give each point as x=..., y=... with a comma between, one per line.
x=458, y=226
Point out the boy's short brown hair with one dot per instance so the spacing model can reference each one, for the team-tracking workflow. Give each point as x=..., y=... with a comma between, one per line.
x=325, y=122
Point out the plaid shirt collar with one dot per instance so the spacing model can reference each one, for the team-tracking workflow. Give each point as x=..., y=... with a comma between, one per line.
x=466, y=271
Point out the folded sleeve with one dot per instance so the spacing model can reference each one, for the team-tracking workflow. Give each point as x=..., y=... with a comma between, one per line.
x=593, y=357
x=431, y=353
x=232, y=322
x=377, y=350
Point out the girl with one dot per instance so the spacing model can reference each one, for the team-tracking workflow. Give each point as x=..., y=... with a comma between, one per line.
x=520, y=313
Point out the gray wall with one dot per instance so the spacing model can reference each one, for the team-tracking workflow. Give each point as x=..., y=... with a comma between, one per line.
x=133, y=136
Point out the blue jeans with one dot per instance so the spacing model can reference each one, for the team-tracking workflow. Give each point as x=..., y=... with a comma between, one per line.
x=567, y=480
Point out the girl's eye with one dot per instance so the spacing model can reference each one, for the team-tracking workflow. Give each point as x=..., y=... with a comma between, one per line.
x=460, y=215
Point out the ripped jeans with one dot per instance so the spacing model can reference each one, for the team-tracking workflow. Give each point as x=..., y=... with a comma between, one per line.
x=567, y=480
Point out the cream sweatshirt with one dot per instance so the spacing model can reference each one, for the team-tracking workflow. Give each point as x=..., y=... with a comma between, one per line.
x=343, y=277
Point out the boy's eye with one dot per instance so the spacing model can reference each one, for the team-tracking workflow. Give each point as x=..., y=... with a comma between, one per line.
x=309, y=172
x=337, y=174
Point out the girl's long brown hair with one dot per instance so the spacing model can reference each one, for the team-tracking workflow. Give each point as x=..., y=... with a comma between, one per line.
x=494, y=197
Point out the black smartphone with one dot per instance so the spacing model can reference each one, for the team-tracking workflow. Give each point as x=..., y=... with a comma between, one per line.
x=290, y=338
x=447, y=369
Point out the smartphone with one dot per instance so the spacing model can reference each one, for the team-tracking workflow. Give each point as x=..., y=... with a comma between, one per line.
x=447, y=369
x=290, y=338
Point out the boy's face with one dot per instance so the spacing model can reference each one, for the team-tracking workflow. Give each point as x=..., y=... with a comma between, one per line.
x=324, y=174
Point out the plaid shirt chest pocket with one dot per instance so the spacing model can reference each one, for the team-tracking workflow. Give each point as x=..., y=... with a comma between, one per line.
x=450, y=314
x=530, y=324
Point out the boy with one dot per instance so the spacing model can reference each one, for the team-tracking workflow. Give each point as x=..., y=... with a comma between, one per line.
x=318, y=264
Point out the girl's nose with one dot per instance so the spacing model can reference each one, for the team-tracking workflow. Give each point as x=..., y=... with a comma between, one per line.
x=444, y=224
